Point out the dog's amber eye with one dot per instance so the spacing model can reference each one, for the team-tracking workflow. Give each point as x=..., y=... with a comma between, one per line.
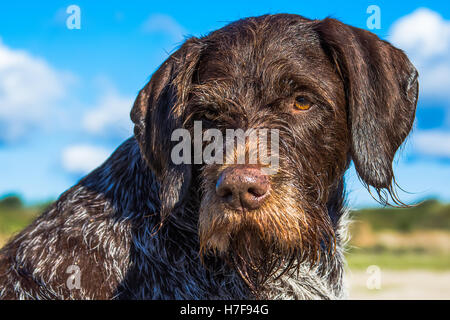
x=301, y=104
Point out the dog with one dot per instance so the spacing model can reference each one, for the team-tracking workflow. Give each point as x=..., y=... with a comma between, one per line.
x=143, y=227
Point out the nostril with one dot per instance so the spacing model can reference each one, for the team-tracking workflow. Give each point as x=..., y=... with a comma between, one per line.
x=224, y=190
x=256, y=192
x=254, y=198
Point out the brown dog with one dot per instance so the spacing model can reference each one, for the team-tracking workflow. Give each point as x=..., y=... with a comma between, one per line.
x=141, y=226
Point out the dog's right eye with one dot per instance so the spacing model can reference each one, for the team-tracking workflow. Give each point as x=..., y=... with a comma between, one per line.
x=302, y=104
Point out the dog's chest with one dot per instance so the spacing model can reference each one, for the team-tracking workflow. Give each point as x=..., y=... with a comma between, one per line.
x=160, y=272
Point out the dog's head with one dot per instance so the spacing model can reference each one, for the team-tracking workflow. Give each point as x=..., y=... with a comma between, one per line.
x=332, y=92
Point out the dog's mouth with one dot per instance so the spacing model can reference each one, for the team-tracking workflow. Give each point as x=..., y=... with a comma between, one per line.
x=264, y=242
x=262, y=226
x=276, y=223
x=245, y=244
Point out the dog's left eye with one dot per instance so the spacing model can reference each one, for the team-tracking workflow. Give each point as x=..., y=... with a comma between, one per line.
x=302, y=104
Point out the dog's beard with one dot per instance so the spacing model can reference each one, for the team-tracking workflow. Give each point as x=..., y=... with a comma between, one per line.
x=264, y=243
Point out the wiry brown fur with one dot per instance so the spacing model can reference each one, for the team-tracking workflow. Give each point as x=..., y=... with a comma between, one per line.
x=142, y=227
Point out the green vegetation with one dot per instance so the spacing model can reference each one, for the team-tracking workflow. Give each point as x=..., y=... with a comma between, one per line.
x=403, y=259
x=14, y=216
x=428, y=215
x=401, y=238
x=412, y=238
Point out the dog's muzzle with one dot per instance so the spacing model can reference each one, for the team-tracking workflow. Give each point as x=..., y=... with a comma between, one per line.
x=243, y=187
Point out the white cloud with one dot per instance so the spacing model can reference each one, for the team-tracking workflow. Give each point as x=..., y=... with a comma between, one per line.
x=433, y=143
x=110, y=115
x=425, y=36
x=83, y=158
x=423, y=32
x=29, y=89
x=34, y=96
x=161, y=23
x=434, y=80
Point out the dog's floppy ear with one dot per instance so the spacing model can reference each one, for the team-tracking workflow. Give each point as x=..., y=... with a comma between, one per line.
x=382, y=89
x=157, y=111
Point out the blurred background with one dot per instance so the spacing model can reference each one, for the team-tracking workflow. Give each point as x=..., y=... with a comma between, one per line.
x=69, y=72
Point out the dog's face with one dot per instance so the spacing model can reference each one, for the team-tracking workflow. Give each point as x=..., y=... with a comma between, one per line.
x=259, y=78
x=333, y=93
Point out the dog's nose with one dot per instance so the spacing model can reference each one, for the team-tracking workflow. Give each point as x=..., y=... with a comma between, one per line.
x=243, y=187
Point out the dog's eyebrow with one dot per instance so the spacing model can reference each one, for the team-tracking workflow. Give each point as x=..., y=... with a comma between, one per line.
x=302, y=84
x=215, y=92
x=311, y=83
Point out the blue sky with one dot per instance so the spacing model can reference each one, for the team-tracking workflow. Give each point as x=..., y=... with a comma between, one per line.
x=65, y=95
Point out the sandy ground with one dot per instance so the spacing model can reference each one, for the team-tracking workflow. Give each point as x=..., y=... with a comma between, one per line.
x=388, y=285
